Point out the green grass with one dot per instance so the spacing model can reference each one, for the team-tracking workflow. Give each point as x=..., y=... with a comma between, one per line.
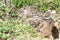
x=20, y=3
x=15, y=27
x=43, y=5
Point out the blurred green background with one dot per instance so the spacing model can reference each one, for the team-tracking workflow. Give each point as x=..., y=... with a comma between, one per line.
x=11, y=26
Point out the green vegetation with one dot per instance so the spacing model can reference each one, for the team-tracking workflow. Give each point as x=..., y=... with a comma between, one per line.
x=15, y=28
x=9, y=22
x=20, y=3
